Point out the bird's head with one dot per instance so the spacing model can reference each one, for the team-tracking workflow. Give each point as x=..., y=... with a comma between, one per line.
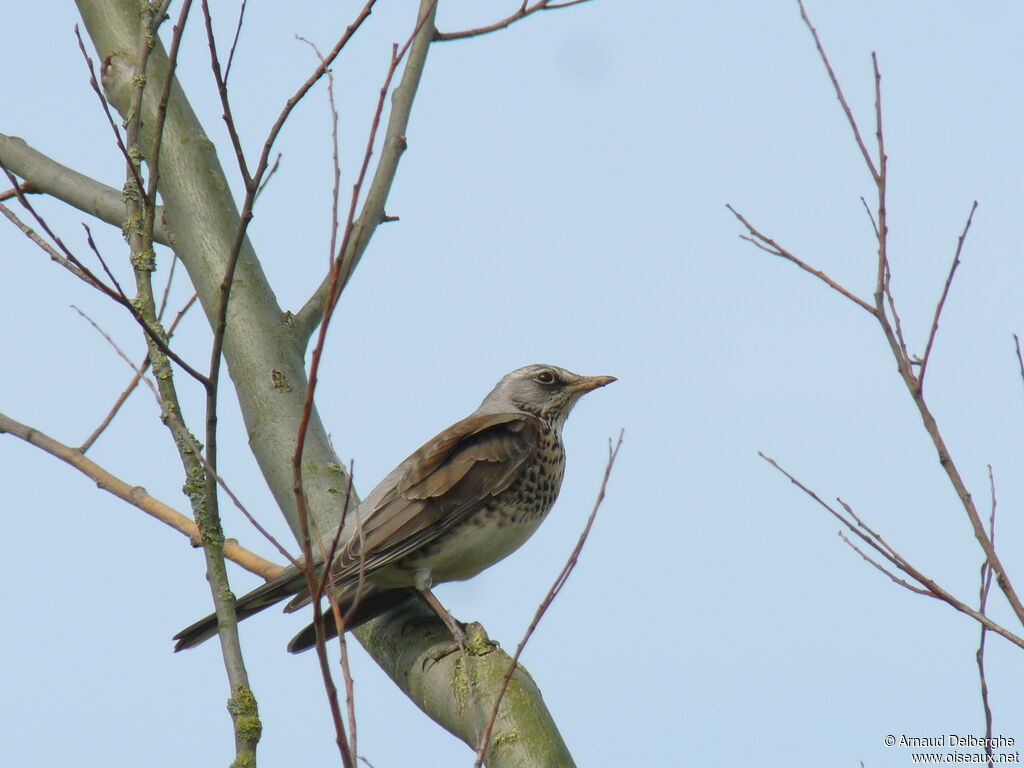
x=544, y=390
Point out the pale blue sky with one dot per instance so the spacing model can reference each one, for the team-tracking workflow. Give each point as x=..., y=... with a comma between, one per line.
x=562, y=200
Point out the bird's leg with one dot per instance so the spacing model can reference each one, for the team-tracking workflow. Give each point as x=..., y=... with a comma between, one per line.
x=454, y=626
x=422, y=581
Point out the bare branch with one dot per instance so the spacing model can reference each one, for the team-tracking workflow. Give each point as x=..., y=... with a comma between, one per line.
x=876, y=542
x=765, y=243
x=882, y=568
x=897, y=324
x=522, y=12
x=136, y=496
x=46, y=175
x=268, y=177
x=882, y=275
x=986, y=585
x=336, y=186
x=312, y=80
x=123, y=397
x=225, y=102
x=234, y=43
x=131, y=162
x=839, y=92
x=158, y=338
x=871, y=216
x=82, y=274
x=120, y=352
x=894, y=337
x=942, y=299
x=1020, y=360
x=69, y=261
x=372, y=214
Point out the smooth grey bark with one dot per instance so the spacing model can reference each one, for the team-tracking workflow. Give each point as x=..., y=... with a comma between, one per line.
x=265, y=365
x=264, y=356
x=74, y=188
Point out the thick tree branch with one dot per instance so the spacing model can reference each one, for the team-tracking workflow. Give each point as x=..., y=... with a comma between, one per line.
x=77, y=190
x=265, y=359
x=267, y=368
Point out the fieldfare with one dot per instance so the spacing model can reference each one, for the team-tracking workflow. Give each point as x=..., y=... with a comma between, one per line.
x=465, y=500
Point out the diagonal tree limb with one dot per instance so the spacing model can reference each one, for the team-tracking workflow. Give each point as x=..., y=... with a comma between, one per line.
x=135, y=495
x=265, y=359
x=267, y=368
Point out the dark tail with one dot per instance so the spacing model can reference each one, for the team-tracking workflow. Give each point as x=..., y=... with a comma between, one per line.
x=371, y=604
x=289, y=582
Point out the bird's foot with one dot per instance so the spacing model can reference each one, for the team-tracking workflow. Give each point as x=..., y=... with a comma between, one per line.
x=472, y=641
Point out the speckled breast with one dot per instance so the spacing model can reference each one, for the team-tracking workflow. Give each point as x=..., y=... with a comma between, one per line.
x=500, y=527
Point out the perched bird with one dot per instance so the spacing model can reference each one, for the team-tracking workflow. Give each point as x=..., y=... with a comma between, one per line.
x=466, y=499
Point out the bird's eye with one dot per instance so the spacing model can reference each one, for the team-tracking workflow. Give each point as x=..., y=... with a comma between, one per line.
x=546, y=377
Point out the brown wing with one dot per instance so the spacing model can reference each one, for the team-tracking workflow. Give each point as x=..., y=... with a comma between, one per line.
x=436, y=488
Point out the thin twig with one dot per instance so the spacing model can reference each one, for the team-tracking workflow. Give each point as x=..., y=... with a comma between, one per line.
x=986, y=585
x=120, y=353
x=372, y=214
x=1020, y=360
x=336, y=186
x=268, y=177
x=326, y=583
x=765, y=243
x=556, y=587
x=55, y=255
x=234, y=43
x=167, y=290
x=159, y=339
x=225, y=102
x=839, y=91
x=132, y=163
x=942, y=299
x=882, y=281
x=871, y=216
x=891, y=301
x=123, y=397
x=153, y=158
x=521, y=13
x=902, y=582
x=69, y=261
